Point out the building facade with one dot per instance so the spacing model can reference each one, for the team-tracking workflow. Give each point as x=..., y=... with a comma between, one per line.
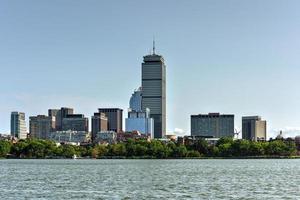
x=114, y=118
x=75, y=122
x=41, y=126
x=141, y=122
x=99, y=123
x=18, y=125
x=254, y=128
x=212, y=125
x=59, y=115
x=154, y=91
x=69, y=136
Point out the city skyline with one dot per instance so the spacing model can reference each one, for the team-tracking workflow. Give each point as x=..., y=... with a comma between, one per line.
x=222, y=59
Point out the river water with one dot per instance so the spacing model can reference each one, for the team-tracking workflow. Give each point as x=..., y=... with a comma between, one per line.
x=150, y=179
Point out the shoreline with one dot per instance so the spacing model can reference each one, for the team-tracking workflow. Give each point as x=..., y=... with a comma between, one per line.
x=151, y=158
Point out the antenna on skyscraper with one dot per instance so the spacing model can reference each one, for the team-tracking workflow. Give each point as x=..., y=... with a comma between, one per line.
x=153, y=50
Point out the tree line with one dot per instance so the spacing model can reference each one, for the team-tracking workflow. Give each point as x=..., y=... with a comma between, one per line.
x=225, y=147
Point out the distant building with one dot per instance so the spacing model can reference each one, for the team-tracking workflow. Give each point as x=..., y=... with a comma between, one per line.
x=114, y=118
x=212, y=125
x=99, y=123
x=75, y=122
x=154, y=91
x=59, y=115
x=139, y=120
x=18, y=125
x=134, y=135
x=103, y=137
x=253, y=128
x=69, y=136
x=41, y=126
x=135, y=102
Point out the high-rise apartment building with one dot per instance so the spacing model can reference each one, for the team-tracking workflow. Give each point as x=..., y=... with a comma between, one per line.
x=41, y=126
x=212, y=125
x=99, y=124
x=114, y=118
x=254, y=128
x=154, y=91
x=18, y=125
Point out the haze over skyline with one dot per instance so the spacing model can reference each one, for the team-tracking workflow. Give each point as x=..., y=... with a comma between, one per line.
x=233, y=57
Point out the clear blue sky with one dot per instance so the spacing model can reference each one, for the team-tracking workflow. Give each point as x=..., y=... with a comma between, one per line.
x=239, y=57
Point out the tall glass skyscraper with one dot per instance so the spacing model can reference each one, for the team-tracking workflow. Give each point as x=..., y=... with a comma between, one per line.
x=154, y=91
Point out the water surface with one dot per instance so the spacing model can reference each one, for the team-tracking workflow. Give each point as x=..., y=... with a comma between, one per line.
x=150, y=179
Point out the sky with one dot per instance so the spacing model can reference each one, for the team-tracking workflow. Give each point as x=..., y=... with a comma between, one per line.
x=233, y=57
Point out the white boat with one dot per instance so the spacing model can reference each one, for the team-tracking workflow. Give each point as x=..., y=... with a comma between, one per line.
x=74, y=157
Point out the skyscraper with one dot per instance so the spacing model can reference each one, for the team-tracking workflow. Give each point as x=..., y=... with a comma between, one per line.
x=253, y=128
x=18, y=125
x=114, y=118
x=154, y=91
x=212, y=125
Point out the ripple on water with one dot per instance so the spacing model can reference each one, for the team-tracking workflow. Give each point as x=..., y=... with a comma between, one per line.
x=149, y=179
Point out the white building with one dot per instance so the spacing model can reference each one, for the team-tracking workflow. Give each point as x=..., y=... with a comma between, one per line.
x=18, y=125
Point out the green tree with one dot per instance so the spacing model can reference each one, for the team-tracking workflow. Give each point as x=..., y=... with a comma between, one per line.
x=5, y=147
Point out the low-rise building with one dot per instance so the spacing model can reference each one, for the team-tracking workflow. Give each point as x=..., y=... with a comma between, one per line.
x=70, y=136
x=104, y=137
x=135, y=135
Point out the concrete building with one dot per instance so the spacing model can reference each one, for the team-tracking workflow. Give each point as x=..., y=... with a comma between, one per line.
x=212, y=125
x=154, y=91
x=114, y=118
x=253, y=128
x=99, y=123
x=41, y=126
x=59, y=115
x=75, y=122
x=18, y=125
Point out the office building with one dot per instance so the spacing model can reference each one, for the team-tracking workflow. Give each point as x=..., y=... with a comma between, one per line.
x=75, y=122
x=135, y=102
x=41, y=126
x=139, y=120
x=18, y=125
x=212, y=125
x=154, y=91
x=99, y=123
x=114, y=118
x=254, y=128
x=59, y=115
